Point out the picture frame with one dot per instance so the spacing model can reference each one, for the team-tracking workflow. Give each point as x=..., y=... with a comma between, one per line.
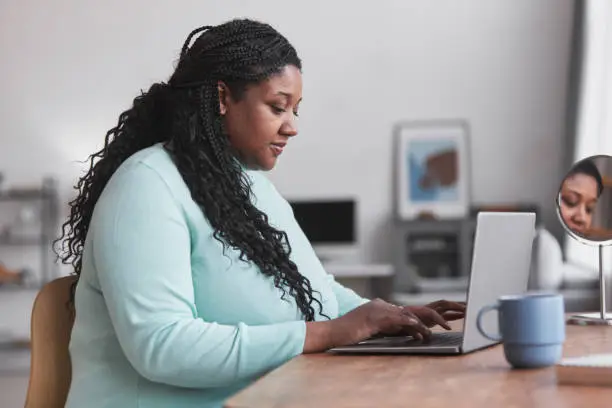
x=432, y=172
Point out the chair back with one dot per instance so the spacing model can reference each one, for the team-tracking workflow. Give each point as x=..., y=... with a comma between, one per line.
x=51, y=326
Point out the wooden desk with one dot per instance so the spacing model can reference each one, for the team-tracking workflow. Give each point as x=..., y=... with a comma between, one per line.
x=479, y=379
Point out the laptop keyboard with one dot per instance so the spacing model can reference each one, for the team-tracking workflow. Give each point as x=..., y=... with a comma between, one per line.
x=436, y=339
x=440, y=339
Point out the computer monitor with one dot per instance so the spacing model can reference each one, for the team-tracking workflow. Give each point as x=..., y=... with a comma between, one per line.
x=329, y=225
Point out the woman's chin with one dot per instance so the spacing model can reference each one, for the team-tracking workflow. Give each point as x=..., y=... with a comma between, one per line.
x=267, y=164
x=260, y=164
x=578, y=230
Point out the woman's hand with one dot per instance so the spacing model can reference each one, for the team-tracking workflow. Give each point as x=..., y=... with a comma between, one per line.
x=432, y=314
x=439, y=312
x=379, y=318
x=370, y=319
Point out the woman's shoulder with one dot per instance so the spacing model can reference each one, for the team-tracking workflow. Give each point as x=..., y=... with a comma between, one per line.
x=148, y=171
x=154, y=159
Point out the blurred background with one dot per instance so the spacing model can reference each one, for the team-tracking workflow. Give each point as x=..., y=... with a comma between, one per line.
x=523, y=85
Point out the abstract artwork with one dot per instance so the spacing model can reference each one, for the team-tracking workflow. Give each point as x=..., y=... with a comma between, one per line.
x=432, y=174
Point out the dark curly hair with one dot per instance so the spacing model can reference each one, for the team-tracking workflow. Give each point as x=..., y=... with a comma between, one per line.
x=588, y=168
x=183, y=114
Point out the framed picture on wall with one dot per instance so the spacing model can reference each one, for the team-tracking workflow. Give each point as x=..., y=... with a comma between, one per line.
x=432, y=173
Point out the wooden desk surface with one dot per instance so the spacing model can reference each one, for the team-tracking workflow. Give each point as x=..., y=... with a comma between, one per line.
x=482, y=378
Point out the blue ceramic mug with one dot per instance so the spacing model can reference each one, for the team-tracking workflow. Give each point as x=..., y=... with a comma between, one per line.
x=531, y=328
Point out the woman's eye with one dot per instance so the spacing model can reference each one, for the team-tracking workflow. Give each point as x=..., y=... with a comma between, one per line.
x=276, y=109
x=569, y=202
x=296, y=113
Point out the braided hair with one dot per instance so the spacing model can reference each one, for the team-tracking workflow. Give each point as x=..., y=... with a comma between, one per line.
x=183, y=114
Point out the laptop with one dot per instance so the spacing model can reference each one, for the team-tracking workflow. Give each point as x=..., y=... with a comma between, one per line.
x=500, y=266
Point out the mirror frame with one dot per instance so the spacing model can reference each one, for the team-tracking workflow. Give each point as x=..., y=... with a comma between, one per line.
x=571, y=233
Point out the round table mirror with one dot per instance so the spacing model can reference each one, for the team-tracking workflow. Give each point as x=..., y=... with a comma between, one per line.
x=584, y=207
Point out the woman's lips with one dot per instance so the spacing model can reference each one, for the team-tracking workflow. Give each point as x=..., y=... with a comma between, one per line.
x=577, y=228
x=277, y=148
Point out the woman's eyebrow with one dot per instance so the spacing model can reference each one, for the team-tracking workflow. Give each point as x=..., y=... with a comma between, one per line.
x=287, y=95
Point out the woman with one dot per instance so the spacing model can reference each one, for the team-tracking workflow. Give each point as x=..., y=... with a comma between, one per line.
x=580, y=191
x=194, y=277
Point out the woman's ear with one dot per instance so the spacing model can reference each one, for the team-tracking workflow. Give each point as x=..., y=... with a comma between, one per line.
x=224, y=97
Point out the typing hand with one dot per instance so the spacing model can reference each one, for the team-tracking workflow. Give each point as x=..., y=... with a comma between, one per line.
x=375, y=319
x=439, y=312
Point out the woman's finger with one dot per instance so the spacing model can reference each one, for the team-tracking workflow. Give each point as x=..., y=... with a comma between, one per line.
x=437, y=318
x=435, y=304
x=453, y=315
x=415, y=334
x=445, y=305
x=411, y=321
x=457, y=306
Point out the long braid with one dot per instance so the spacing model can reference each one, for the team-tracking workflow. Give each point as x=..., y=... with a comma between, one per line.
x=184, y=115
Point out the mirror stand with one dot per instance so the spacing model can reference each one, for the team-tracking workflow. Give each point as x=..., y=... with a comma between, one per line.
x=596, y=319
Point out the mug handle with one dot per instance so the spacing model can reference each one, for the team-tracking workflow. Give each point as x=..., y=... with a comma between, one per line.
x=481, y=313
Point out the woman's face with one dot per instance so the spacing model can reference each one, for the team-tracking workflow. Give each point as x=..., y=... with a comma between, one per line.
x=262, y=120
x=578, y=200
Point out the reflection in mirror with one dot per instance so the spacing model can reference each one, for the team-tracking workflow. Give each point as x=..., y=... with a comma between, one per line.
x=584, y=202
x=584, y=206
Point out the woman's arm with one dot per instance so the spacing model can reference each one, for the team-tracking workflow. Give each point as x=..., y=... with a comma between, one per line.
x=141, y=251
x=347, y=298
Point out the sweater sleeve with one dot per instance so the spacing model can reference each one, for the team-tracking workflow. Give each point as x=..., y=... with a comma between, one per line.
x=347, y=298
x=142, y=256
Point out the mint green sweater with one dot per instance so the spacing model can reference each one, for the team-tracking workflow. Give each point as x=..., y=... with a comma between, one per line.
x=164, y=318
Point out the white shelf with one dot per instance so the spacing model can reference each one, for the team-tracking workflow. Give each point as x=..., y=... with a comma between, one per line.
x=423, y=298
x=14, y=361
x=15, y=323
x=348, y=270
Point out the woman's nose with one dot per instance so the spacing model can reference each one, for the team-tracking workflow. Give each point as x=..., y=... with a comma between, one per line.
x=580, y=216
x=289, y=128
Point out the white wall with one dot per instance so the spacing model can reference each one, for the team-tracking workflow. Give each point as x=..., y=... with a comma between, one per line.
x=70, y=67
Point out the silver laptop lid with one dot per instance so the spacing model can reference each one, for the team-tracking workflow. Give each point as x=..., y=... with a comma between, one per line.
x=500, y=266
